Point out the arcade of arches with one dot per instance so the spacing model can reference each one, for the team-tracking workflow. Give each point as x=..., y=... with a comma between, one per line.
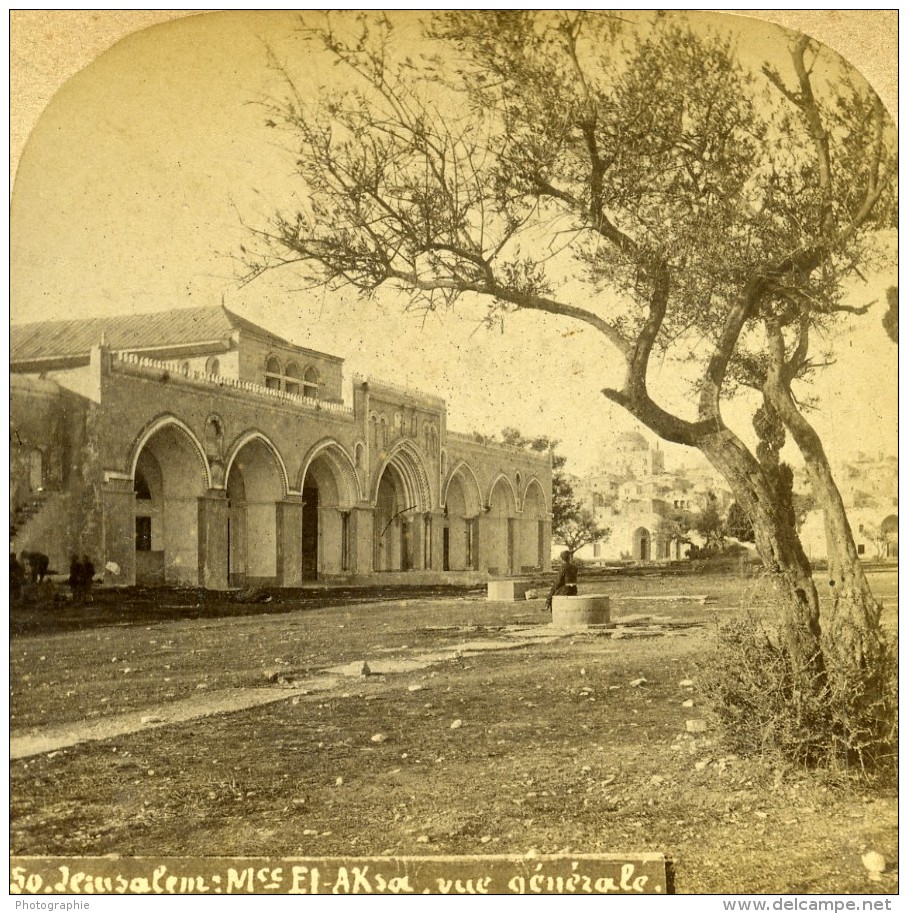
x=337, y=525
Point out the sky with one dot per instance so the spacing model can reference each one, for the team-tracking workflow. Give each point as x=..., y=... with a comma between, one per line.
x=131, y=194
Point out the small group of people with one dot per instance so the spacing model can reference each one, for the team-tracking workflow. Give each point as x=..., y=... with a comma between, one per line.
x=81, y=577
x=566, y=582
x=32, y=569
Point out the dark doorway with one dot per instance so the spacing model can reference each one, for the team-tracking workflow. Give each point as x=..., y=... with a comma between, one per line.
x=310, y=533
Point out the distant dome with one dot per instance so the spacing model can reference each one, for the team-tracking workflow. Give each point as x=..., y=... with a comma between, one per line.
x=631, y=441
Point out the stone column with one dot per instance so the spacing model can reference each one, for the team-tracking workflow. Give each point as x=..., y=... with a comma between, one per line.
x=118, y=499
x=289, y=522
x=213, y=514
x=437, y=519
x=361, y=521
x=485, y=534
x=546, y=544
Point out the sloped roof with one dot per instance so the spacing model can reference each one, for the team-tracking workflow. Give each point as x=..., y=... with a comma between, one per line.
x=69, y=342
x=73, y=338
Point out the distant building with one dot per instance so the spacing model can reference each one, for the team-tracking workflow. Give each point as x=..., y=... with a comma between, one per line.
x=193, y=447
x=869, y=486
x=632, y=493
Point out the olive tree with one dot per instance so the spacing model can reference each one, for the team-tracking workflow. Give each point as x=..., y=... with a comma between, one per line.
x=638, y=177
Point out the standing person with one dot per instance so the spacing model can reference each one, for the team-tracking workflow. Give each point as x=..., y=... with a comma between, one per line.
x=88, y=578
x=16, y=578
x=567, y=579
x=75, y=579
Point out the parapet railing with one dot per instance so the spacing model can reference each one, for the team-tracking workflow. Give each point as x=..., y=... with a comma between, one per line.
x=410, y=392
x=482, y=441
x=284, y=396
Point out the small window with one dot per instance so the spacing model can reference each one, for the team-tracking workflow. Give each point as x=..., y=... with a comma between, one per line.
x=310, y=383
x=213, y=366
x=273, y=374
x=860, y=548
x=143, y=534
x=597, y=550
x=291, y=379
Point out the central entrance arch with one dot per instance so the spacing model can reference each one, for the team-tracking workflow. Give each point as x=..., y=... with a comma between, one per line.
x=402, y=531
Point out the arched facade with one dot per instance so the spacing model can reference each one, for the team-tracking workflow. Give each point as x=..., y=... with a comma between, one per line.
x=232, y=474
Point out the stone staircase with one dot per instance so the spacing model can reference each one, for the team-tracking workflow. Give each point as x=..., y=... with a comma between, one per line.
x=39, y=523
x=22, y=514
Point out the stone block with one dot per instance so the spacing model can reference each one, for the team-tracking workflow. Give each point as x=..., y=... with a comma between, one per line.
x=507, y=591
x=580, y=611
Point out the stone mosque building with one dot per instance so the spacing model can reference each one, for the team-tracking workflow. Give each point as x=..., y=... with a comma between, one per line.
x=631, y=492
x=193, y=447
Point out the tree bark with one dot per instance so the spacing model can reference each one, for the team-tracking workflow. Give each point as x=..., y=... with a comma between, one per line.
x=777, y=543
x=854, y=623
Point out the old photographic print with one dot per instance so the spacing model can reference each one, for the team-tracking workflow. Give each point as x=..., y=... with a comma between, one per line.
x=453, y=452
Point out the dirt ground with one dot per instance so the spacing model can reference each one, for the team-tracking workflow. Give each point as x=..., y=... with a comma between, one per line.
x=475, y=732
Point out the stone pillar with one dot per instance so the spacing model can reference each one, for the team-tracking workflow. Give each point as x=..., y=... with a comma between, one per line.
x=118, y=500
x=361, y=521
x=437, y=520
x=515, y=541
x=547, y=544
x=485, y=534
x=213, y=514
x=415, y=532
x=289, y=523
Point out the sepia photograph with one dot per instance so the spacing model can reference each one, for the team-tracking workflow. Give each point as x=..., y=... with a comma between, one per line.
x=454, y=452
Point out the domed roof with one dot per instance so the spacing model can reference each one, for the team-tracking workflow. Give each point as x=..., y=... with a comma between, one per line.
x=631, y=441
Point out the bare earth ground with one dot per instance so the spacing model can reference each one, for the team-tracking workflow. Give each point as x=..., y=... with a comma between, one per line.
x=186, y=729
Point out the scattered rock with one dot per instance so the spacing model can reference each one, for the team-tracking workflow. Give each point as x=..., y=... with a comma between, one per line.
x=338, y=782
x=530, y=595
x=456, y=724
x=379, y=738
x=703, y=763
x=416, y=687
x=875, y=863
x=636, y=683
x=485, y=839
x=687, y=704
x=152, y=719
x=696, y=726
x=422, y=839
x=656, y=780
x=686, y=683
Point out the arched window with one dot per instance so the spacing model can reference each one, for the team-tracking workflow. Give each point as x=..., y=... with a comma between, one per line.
x=291, y=379
x=273, y=373
x=213, y=366
x=310, y=383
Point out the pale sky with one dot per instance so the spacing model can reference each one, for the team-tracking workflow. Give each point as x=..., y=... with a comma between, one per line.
x=127, y=199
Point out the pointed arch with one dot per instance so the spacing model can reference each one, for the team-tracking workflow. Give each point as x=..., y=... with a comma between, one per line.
x=341, y=462
x=502, y=477
x=468, y=475
x=535, y=483
x=249, y=437
x=161, y=423
x=408, y=462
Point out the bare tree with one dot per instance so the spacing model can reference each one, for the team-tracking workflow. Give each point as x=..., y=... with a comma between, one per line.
x=633, y=177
